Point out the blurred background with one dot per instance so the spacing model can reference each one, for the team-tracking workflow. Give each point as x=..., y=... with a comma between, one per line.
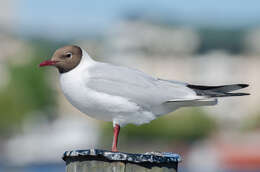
x=200, y=42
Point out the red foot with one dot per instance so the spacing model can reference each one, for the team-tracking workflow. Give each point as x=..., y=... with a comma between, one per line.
x=115, y=139
x=114, y=150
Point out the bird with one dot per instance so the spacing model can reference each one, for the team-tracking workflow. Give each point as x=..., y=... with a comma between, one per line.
x=126, y=95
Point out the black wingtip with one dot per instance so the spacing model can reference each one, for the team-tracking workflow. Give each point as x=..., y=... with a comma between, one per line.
x=243, y=85
x=240, y=94
x=230, y=94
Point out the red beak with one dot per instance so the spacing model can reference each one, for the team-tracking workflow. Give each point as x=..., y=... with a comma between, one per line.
x=47, y=63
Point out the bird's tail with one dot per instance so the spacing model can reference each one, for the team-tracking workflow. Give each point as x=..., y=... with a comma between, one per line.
x=218, y=91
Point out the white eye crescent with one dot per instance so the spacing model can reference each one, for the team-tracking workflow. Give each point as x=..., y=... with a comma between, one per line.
x=68, y=55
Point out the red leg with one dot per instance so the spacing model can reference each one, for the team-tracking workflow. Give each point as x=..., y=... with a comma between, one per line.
x=115, y=139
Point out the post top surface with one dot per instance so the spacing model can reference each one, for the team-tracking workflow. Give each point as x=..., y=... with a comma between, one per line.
x=98, y=154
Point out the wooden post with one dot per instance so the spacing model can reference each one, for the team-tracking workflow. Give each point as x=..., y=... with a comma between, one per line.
x=96, y=160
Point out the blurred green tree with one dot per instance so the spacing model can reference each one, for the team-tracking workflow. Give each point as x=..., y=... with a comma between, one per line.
x=252, y=122
x=186, y=125
x=27, y=90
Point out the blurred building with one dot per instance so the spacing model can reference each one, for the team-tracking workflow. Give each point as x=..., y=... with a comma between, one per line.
x=7, y=15
x=226, y=152
x=144, y=38
x=43, y=142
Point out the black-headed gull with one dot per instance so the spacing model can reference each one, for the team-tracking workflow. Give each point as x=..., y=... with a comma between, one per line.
x=125, y=95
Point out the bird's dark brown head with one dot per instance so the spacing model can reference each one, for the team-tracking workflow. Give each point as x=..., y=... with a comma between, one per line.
x=65, y=58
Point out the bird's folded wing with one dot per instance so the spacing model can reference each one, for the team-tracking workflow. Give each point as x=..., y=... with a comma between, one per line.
x=136, y=85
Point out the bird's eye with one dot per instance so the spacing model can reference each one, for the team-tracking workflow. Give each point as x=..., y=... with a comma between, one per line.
x=68, y=55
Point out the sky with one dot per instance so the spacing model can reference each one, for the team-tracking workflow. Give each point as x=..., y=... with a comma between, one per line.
x=71, y=17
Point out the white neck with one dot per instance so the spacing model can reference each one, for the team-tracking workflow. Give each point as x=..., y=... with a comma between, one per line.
x=86, y=60
x=86, y=57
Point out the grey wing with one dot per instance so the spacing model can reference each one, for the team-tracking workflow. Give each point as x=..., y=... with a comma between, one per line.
x=136, y=86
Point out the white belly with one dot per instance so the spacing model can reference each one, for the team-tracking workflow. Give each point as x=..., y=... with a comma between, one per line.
x=100, y=105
